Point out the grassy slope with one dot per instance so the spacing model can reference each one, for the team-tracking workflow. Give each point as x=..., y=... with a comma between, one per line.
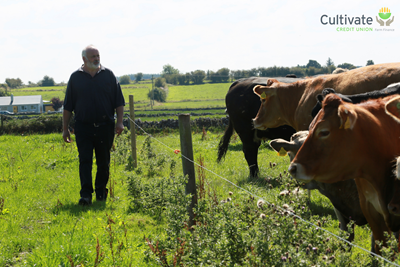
x=193, y=96
x=42, y=222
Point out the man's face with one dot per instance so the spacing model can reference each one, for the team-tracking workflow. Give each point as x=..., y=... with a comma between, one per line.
x=92, y=60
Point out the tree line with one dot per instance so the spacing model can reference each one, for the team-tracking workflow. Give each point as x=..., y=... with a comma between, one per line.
x=171, y=75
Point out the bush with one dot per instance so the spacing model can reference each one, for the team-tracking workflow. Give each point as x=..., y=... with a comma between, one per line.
x=158, y=94
x=160, y=82
x=125, y=79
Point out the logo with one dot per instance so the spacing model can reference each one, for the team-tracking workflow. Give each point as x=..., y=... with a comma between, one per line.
x=384, y=14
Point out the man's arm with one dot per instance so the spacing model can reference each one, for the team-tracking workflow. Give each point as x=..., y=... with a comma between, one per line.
x=66, y=118
x=119, y=127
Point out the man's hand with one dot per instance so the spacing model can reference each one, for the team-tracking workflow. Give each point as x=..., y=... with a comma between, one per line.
x=67, y=136
x=381, y=22
x=119, y=127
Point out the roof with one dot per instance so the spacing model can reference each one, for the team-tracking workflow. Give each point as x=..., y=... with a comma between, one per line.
x=21, y=100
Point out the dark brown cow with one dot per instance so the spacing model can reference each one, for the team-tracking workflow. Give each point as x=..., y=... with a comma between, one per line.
x=291, y=104
x=360, y=142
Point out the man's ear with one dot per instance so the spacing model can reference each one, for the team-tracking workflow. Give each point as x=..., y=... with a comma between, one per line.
x=348, y=117
x=392, y=108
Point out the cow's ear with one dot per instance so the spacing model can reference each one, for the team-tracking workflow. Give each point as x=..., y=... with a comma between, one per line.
x=348, y=117
x=282, y=146
x=263, y=91
x=392, y=108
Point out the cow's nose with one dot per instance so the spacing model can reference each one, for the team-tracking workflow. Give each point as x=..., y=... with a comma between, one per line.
x=293, y=169
x=394, y=208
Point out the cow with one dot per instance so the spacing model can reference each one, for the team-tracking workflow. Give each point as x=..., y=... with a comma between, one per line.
x=242, y=105
x=291, y=104
x=348, y=141
x=392, y=89
x=343, y=195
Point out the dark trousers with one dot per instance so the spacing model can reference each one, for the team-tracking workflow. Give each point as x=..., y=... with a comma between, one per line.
x=100, y=138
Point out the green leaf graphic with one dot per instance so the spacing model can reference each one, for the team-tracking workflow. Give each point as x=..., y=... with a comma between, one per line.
x=384, y=15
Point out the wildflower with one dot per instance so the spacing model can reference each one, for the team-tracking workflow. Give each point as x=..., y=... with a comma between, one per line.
x=285, y=206
x=223, y=201
x=328, y=251
x=177, y=151
x=270, y=186
x=315, y=249
x=307, y=251
x=270, y=164
x=262, y=216
x=327, y=239
x=290, y=259
x=319, y=223
x=228, y=199
x=273, y=164
x=324, y=258
x=230, y=193
x=283, y=258
x=332, y=257
x=260, y=203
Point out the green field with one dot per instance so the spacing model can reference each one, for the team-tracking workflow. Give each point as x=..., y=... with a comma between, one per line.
x=193, y=96
x=42, y=225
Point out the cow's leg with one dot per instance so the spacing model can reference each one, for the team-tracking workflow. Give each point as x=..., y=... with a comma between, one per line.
x=343, y=223
x=250, y=150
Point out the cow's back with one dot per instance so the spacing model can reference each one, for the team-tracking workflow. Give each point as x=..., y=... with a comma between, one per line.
x=356, y=81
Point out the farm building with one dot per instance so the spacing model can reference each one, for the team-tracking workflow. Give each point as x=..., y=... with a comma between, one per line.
x=19, y=104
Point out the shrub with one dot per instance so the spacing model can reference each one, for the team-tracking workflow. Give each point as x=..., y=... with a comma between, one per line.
x=158, y=94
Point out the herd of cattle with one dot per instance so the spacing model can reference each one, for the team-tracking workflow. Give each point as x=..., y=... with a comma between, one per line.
x=342, y=134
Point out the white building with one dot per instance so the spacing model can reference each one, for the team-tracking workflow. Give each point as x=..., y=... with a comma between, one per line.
x=17, y=104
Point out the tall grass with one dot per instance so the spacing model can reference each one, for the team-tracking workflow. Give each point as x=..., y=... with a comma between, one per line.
x=42, y=225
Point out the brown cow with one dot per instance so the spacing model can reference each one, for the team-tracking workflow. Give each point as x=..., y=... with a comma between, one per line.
x=291, y=104
x=360, y=142
x=343, y=195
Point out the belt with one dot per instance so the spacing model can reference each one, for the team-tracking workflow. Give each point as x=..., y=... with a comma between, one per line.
x=95, y=124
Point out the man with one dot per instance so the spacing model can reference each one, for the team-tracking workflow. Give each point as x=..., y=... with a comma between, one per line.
x=93, y=94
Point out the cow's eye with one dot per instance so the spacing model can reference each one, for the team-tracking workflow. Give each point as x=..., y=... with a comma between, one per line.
x=324, y=133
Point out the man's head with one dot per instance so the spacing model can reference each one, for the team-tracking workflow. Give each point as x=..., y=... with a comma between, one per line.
x=91, y=57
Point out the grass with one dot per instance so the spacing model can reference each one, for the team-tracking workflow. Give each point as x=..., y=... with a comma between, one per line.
x=42, y=225
x=188, y=96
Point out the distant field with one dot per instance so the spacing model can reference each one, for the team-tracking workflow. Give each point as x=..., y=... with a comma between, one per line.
x=188, y=96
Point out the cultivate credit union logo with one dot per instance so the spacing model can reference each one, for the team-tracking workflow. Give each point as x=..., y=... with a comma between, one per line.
x=384, y=14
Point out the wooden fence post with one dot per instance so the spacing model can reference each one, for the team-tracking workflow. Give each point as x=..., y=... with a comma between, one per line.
x=133, y=130
x=187, y=164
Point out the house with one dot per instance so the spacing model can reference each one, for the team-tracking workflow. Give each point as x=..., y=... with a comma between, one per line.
x=22, y=104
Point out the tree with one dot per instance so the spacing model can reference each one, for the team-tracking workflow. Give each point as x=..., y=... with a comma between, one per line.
x=329, y=62
x=13, y=83
x=313, y=63
x=370, y=62
x=56, y=103
x=125, y=79
x=47, y=81
x=158, y=94
x=160, y=82
x=168, y=70
x=198, y=76
x=346, y=66
x=138, y=77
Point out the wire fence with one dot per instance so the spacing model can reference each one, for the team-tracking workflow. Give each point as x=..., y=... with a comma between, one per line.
x=258, y=197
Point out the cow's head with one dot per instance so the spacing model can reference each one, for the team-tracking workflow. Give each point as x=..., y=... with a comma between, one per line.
x=268, y=115
x=326, y=154
x=282, y=146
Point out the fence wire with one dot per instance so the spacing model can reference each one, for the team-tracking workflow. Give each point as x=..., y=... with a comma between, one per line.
x=258, y=197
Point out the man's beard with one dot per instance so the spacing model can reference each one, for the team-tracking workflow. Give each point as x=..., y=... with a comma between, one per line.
x=91, y=65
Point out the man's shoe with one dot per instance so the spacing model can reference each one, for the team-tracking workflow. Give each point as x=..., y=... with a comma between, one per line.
x=103, y=196
x=85, y=201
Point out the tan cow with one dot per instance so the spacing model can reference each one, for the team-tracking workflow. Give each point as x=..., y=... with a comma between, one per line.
x=360, y=142
x=291, y=104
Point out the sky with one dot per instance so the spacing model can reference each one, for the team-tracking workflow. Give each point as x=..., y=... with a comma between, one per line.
x=46, y=37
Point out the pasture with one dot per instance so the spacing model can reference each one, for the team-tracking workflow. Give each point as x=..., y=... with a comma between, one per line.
x=143, y=221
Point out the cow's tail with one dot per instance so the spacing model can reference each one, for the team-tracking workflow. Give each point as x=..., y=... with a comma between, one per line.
x=224, y=143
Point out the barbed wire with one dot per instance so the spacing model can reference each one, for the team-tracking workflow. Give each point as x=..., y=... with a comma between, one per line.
x=260, y=198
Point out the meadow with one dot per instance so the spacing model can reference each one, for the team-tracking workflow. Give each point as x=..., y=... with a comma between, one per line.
x=239, y=221
x=142, y=223
x=179, y=97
